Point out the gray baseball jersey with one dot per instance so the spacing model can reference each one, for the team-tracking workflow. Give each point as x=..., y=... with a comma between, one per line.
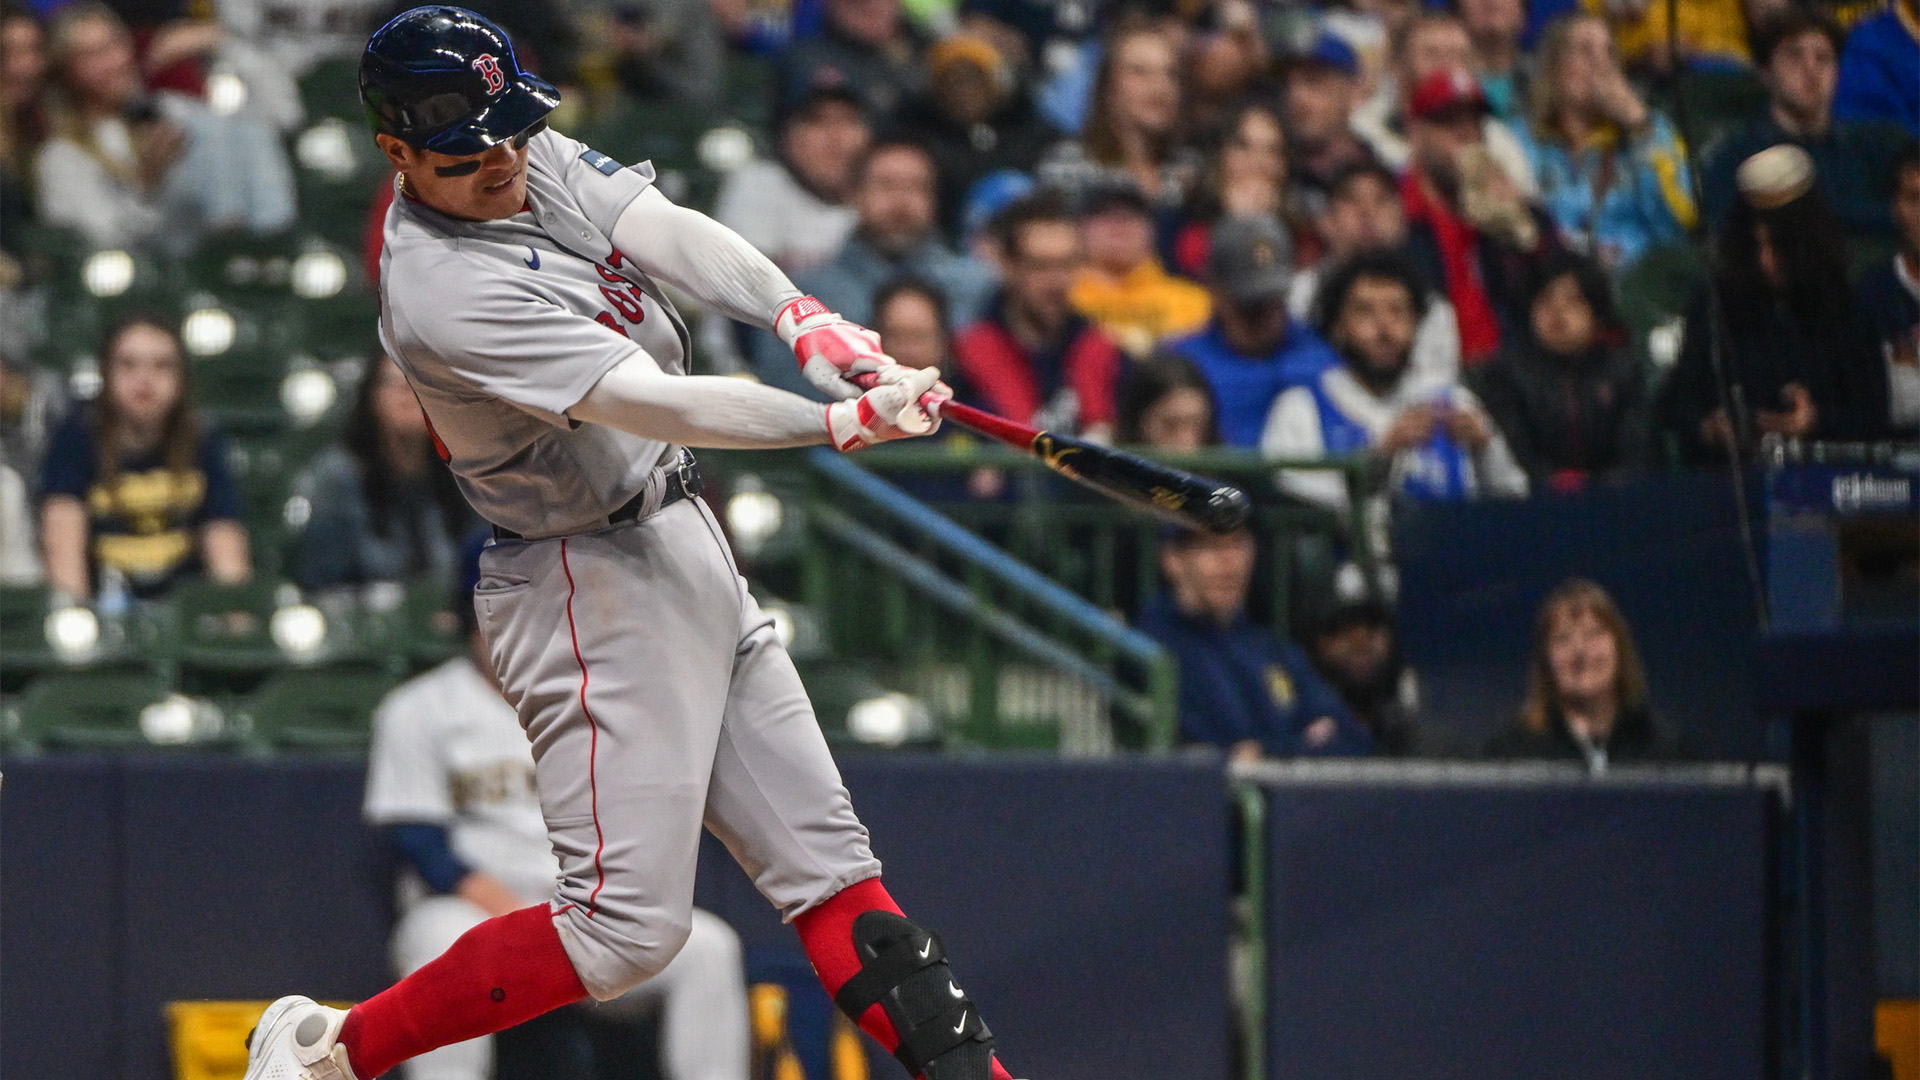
x=654, y=691
x=502, y=326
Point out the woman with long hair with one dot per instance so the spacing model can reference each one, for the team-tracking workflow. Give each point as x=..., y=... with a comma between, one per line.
x=1133, y=124
x=1797, y=361
x=384, y=506
x=1586, y=691
x=136, y=488
x=1612, y=172
x=1166, y=404
x=1245, y=175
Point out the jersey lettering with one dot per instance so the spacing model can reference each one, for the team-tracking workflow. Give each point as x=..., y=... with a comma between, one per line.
x=605, y=319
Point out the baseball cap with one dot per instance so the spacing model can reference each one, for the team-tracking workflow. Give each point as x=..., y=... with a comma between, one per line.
x=1327, y=50
x=822, y=83
x=1252, y=259
x=1775, y=176
x=1447, y=91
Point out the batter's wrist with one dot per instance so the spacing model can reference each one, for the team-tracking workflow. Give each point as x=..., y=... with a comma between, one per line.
x=799, y=315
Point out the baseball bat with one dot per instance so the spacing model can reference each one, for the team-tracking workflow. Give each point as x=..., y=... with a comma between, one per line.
x=1196, y=502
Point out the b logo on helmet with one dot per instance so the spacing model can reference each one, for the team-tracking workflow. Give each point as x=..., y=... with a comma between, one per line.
x=489, y=69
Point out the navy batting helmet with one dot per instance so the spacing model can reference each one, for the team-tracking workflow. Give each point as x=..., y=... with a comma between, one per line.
x=444, y=79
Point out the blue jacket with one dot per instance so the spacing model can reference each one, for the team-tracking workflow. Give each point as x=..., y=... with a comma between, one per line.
x=1880, y=73
x=1244, y=386
x=1646, y=201
x=1246, y=682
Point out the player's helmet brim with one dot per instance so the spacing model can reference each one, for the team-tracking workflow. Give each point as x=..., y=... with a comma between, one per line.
x=489, y=124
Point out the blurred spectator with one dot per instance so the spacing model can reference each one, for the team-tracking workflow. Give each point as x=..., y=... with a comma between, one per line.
x=1364, y=214
x=1586, y=691
x=1251, y=349
x=1319, y=91
x=384, y=506
x=989, y=195
x=299, y=35
x=1798, y=56
x=1613, y=173
x=1123, y=287
x=910, y=316
x=126, y=169
x=1713, y=33
x=1472, y=229
x=1500, y=61
x=975, y=119
x=1243, y=687
x=1889, y=301
x=451, y=782
x=669, y=51
x=872, y=47
x=32, y=402
x=1356, y=650
x=1880, y=69
x=1166, y=404
x=794, y=209
x=893, y=194
x=136, y=493
x=1798, y=361
x=1030, y=358
x=1433, y=43
x=1132, y=130
x=1567, y=393
x=1246, y=176
x=23, y=119
x=1223, y=66
x=1439, y=441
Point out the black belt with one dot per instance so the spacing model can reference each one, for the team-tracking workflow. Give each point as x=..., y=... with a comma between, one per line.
x=683, y=482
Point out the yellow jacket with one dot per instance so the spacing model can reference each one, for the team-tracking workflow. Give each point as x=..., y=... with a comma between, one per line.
x=1710, y=27
x=1142, y=309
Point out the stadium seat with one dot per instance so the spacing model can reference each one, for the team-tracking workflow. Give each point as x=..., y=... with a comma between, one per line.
x=223, y=634
x=323, y=709
x=427, y=628
x=90, y=710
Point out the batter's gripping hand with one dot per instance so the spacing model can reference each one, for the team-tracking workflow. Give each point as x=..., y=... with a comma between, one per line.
x=829, y=347
x=905, y=404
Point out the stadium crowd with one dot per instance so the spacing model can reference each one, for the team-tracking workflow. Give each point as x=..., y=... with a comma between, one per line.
x=1441, y=236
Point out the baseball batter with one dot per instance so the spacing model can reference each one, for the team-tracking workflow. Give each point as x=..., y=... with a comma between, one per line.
x=519, y=294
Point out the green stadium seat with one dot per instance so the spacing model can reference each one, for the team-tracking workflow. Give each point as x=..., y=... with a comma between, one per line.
x=1654, y=291
x=324, y=709
x=428, y=630
x=92, y=710
x=332, y=88
x=225, y=640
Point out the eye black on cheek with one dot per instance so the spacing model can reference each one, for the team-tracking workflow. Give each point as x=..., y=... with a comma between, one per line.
x=464, y=168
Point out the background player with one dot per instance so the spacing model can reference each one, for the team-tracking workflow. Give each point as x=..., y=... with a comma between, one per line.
x=450, y=777
x=519, y=295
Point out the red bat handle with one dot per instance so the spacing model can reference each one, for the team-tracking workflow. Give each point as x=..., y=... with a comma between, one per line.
x=1019, y=436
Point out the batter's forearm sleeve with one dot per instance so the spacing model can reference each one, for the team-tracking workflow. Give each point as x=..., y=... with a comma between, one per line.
x=428, y=852
x=691, y=251
x=700, y=410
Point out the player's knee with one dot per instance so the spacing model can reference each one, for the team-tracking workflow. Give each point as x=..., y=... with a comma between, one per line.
x=628, y=952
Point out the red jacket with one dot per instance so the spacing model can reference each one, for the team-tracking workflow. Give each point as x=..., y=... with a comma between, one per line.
x=1006, y=379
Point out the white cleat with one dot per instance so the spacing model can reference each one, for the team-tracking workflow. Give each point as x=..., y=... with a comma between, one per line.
x=295, y=1040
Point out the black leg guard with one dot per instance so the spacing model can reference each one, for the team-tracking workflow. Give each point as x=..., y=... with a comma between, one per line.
x=904, y=970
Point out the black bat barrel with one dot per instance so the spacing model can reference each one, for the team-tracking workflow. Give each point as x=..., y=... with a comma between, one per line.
x=1197, y=502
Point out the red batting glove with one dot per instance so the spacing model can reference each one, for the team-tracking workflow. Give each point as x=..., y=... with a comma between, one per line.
x=905, y=404
x=828, y=347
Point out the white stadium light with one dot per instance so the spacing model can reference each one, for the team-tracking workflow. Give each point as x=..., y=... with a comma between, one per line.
x=208, y=332
x=107, y=273
x=318, y=275
x=299, y=629
x=226, y=93
x=307, y=394
x=327, y=148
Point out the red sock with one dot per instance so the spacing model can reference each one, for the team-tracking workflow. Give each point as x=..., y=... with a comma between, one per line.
x=826, y=932
x=503, y=972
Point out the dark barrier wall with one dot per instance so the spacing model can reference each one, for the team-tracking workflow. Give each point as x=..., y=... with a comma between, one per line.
x=1085, y=903
x=1666, y=547
x=1572, y=932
